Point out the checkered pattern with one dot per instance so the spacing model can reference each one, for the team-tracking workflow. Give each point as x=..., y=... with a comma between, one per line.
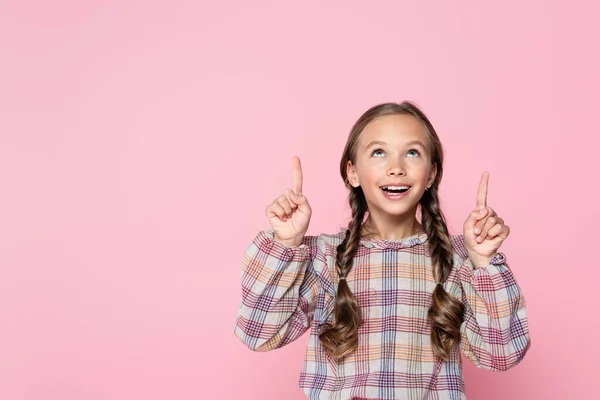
x=287, y=291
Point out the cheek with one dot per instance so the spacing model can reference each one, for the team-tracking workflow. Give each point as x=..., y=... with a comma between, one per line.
x=421, y=170
x=374, y=172
x=365, y=169
x=422, y=174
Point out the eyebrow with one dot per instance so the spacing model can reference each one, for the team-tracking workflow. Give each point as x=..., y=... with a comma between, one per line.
x=380, y=143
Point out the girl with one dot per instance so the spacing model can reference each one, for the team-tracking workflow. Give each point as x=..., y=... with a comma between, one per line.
x=393, y=300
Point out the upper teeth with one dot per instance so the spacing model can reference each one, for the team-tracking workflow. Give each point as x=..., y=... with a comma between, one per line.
x=396, y=187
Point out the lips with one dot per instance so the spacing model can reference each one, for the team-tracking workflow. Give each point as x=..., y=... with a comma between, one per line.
x=395, y=189
x=392, y=194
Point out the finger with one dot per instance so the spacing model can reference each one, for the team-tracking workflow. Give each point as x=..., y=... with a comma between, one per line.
x=482, y=218
x=275, y=210
x=489, y=224
x=495, y=231
x=280, y=211
x=292, y=198
x=477, y=218
x=285, y=204
x=299, y=203
x=297, y=176
x=483, y=190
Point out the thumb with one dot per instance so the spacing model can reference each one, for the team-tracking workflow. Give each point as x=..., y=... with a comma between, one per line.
x=476, y=216
x=297, y=199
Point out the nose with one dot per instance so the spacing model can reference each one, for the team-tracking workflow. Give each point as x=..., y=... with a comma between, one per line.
x=396, y=168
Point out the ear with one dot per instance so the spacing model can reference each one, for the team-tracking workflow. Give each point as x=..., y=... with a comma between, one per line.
x=351, y=173
x=432, y=175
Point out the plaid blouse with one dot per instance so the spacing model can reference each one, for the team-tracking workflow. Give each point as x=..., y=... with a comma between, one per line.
x=289, y=290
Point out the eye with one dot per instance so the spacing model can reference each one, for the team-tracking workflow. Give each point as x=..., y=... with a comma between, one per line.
x=414, y=151
x=376, y=151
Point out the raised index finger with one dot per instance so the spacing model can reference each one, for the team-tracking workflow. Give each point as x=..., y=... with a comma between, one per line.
x=297, y=176
x=483, y=190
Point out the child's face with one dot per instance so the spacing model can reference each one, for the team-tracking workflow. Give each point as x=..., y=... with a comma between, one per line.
x=402, y=157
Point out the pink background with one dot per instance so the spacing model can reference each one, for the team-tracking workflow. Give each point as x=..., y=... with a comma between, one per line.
x=141, y=141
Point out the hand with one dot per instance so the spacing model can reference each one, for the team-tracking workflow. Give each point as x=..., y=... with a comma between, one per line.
x=484, y=231
x=290, y=213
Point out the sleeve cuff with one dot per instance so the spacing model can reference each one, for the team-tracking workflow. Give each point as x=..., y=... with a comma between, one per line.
x=265, y=241
x=498, y=259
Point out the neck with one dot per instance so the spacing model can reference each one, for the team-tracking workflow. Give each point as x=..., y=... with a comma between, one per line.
x=386, y=228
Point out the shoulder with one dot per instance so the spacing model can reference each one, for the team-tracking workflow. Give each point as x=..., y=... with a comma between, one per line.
x=324, y=245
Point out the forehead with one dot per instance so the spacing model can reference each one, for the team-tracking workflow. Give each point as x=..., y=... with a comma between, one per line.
x=395, y=130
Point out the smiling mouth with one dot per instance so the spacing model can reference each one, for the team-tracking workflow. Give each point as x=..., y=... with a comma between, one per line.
x=395, y=189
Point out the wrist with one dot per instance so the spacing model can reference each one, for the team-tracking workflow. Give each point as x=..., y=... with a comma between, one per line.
x=288, y=242
x=480, y=262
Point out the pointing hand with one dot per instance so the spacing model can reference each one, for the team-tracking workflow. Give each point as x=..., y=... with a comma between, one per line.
x=289, y=214
x=484, y=231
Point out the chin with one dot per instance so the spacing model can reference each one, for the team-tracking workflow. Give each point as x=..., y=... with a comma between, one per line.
x=398, y=209
x=401, y=208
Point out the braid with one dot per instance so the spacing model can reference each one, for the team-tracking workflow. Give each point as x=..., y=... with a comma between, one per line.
x=341, y=338
x=446, y=313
